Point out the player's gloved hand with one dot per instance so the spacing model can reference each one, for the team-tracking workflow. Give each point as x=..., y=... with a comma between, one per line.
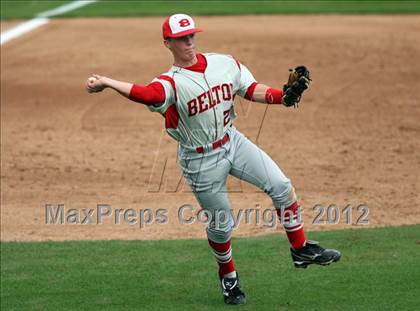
x=302, y=71
x=299, y=80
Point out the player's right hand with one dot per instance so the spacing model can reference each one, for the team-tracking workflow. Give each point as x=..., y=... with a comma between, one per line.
x=95, y=84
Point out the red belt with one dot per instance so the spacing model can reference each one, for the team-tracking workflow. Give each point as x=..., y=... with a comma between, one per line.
x=217, y=144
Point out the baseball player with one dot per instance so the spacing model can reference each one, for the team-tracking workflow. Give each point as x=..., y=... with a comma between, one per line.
x=196, y=98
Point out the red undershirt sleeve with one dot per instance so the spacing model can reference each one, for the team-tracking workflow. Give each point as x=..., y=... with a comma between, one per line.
x=150, y=94
x=250, y=92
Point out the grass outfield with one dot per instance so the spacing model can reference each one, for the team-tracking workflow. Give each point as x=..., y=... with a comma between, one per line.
x=379, y=270
x=14, y=9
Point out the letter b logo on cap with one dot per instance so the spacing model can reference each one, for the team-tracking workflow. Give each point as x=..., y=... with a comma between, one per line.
x=178, y=25
x=184, y=22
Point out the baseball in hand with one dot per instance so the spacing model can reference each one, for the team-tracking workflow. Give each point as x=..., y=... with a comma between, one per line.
x=93, y=85
x=91, y=80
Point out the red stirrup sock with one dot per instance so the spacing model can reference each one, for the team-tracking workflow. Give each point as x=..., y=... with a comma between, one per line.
x=223, y=254
x=293, y=225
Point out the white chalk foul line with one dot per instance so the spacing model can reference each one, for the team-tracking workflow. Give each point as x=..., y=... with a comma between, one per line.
x=41, y=19
x=22, y=28
x=65, y=8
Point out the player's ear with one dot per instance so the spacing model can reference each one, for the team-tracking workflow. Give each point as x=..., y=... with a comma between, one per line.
x=167, y=42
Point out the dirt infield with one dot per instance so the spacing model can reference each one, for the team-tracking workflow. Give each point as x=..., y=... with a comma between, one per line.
x=355, y=139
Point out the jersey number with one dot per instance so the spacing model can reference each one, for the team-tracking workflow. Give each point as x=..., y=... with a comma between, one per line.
x=226, y=118
x=184, y=22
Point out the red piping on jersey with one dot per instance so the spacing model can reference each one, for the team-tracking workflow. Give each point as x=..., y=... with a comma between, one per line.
x=171, y=117
x=149, y=94
x=237, y=63
x=171, y=81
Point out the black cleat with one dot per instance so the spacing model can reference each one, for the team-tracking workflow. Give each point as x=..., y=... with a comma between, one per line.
x=313, y=253
x=232, y=293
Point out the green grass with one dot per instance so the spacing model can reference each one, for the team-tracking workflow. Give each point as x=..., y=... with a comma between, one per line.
x=379, y=270
x=26, y=9
x=17, y=9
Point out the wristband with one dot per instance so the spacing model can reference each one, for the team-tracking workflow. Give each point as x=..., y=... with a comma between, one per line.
x=273, y=96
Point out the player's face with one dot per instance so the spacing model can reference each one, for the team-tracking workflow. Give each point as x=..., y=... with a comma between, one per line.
x=183, y=47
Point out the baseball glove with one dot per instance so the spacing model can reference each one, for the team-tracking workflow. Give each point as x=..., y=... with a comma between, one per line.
x=299, y=80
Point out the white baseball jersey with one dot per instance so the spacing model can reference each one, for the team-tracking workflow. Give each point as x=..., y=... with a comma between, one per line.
x=199, y=107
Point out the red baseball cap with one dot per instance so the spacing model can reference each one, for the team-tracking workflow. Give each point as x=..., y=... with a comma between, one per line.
x=178, y=25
